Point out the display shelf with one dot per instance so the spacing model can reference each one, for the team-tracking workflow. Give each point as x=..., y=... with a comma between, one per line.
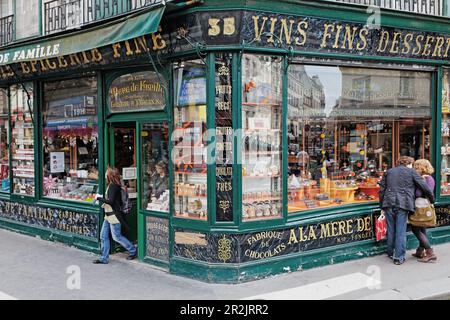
x=261, y=177
x=254, y=104
x=262, y=199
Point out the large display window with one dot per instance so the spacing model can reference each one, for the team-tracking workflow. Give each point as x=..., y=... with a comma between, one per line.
x=4, y=141
x=70, y=139
x=445, y=134
x=22, y=151
x=189, y=146
x=347, y=126
x=261, y=131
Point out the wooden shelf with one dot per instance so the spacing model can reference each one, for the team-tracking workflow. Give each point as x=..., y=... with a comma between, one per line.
x=261, y=200
x=190, y=173
x=190, y=217
x=189, y=196
x=261, y=177
x=261, y=218
x=254, y=104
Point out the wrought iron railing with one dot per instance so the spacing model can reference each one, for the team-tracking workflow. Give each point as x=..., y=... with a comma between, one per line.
x=6, y=30
x=429, y=7
x=60, y=15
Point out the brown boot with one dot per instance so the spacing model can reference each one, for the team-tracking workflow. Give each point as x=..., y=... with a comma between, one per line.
x=420, y=253
x=429, y=256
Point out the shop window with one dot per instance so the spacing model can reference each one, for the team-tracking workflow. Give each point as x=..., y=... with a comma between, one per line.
x=261, y=132
x=359, y=123
x=22, y=123
x=155, y=160
x=4, y=141
x=189, y=146
x=139, y=91
x=445, y=134
x=70, y=139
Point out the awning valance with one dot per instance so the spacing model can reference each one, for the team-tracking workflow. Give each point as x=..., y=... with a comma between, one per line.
x=132, y=26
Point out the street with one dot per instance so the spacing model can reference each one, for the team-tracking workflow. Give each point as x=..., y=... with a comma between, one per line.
x=35, y=269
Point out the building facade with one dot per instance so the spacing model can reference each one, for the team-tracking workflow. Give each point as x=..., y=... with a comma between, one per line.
x=251, y=138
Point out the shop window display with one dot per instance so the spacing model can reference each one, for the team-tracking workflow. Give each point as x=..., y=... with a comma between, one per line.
x=261, y=132
x=4, y=141
x=22, y=125
x=445, y=134
x=189, y=146
x=347, y=126
x=70, y=139
x=155, y=160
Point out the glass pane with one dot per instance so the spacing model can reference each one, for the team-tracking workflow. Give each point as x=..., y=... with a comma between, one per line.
x=445, y=134
x=224, y=137
x=155, y=160
x=4, y=141
x=137, y=92
x=189, y=148
x=70, y=139
x=261, y=131
x=347, y=126
x=22, y=139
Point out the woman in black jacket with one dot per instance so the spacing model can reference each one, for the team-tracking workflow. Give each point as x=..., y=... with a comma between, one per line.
x=113, y=217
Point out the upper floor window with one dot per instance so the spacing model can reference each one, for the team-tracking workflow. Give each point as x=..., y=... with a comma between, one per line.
x=27, y=19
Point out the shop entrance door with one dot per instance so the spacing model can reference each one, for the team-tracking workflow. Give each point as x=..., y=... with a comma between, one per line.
x=122, y=155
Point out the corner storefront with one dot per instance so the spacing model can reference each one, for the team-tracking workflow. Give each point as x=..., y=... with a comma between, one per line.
x=251, y=140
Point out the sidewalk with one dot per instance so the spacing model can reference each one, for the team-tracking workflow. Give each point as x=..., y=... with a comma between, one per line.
x=31, y=268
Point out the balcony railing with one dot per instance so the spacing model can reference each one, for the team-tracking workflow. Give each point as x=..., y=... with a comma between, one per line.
x=429, y=7
x=6, y=30
x=60, y=15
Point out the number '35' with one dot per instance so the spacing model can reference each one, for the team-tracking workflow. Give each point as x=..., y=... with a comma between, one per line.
x=225, y=26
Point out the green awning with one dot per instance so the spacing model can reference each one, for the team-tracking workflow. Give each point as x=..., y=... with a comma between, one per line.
x=128, y=27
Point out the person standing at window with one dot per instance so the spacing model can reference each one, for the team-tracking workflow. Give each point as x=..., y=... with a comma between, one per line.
x=424, y=252
x=113, y=218
x=160, y=181
x=397, y=195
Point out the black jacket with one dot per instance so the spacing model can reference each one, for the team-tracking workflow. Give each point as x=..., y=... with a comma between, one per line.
x=398, y=186
x=114, y=199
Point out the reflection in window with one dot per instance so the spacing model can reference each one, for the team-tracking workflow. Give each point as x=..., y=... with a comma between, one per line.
x=4, y=141
x=70, y=139
x=347, y=126
x=445, y=135
x=22, y=139
x=155, y=160
x=261, y=145
x=189, y=146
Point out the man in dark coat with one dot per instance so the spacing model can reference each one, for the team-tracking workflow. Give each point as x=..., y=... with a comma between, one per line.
x=397, y=197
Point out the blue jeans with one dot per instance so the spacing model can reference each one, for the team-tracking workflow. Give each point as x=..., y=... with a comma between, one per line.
x=117, y=236
x=397, y=220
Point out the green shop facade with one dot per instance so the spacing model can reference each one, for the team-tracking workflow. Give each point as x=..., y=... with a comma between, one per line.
x=251, y=138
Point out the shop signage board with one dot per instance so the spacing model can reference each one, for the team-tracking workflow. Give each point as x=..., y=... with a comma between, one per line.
x=261, y=245
x=137, y=92
x=82, y=224
x=251, y=28
x=157, y=238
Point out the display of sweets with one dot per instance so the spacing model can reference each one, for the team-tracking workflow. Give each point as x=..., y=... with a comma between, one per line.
x=160, y=204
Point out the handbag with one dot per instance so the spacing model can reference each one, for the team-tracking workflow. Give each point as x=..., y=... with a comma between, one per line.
x=424, y=214
x=381, y=227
